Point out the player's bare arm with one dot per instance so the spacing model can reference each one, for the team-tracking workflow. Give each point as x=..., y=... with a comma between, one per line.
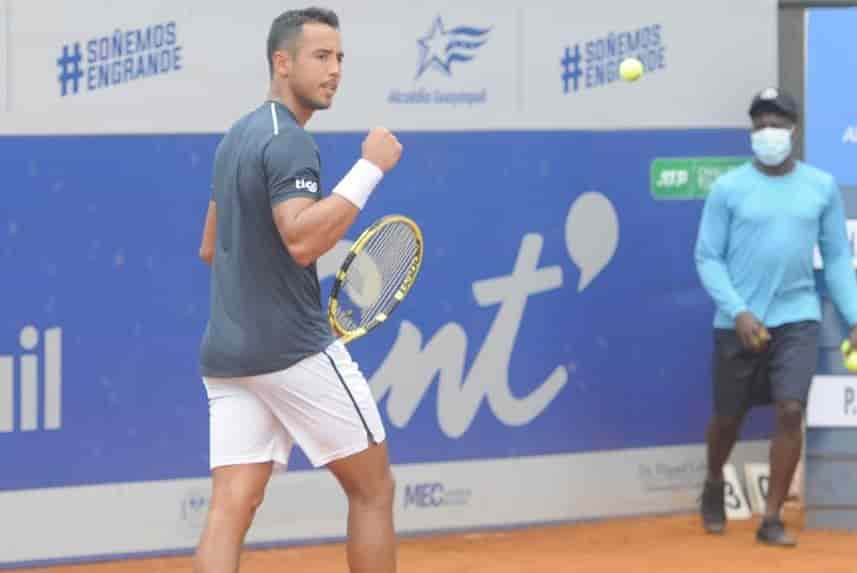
x=209, y=234
x=309, y=229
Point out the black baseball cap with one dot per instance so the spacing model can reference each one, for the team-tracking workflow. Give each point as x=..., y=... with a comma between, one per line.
x=774, y=100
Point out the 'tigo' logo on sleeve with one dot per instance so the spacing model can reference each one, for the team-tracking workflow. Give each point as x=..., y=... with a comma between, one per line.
x=37, y=369
x=306, y=185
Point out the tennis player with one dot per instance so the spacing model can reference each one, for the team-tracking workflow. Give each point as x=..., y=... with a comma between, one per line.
x=274, y=374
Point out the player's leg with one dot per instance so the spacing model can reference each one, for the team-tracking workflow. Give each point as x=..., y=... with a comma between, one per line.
x=733, y=371
x=236, y=494
x=327, y=406
x=721, y=436
x=794, y=359
x=245, y=438
x=785, y=454
x=368, y=482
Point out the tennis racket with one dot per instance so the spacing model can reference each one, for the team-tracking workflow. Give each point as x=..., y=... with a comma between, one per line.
x=377, y=274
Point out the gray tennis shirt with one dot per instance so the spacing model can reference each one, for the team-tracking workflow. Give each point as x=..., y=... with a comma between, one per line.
x=266, y=311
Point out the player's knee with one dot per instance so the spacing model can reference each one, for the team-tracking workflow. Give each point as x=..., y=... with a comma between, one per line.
x=385, y=490
x=790, y=415
x=388, y=492
x=239, y=500
x=727, y=424
x=378, y=491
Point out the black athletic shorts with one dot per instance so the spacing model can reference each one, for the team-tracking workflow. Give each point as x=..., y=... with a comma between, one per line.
x=784, y=371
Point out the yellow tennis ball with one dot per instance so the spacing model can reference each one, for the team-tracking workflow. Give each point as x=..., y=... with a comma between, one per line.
x=760, y=340
x=630, y=69
x=846, y=347
x=851, y=362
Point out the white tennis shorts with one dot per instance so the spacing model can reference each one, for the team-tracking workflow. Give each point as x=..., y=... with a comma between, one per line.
x=323, y=404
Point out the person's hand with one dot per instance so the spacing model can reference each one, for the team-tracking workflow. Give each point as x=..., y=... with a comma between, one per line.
x=852, y=338
x=382, y=149
x=752, y=333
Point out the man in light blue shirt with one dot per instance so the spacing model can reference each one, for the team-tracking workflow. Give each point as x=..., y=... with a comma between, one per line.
x=754, y=254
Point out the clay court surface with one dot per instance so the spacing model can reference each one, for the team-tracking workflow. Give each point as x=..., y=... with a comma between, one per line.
x=664, y=544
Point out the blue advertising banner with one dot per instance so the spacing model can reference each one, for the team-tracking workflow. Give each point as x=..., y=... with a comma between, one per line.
x=558, y=309
x=831, y=121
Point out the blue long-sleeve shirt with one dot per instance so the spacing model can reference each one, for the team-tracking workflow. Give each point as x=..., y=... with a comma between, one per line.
x=755, y=246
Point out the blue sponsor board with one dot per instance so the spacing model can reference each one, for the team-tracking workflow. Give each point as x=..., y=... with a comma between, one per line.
x=558, y=309
x=831, y=121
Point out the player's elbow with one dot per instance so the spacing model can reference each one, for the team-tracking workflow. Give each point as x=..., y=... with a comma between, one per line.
x=303, y=260
x=206, y=254
x=704, y=255
x=700, y=260
x=300, y=251
x=836, y=266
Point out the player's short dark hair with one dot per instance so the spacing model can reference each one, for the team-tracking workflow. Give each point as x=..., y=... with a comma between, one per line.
x=286, y=28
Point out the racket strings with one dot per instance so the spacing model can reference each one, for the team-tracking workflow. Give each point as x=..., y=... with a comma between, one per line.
x=382, y=254
x=399, y=269
x=390, y=255
x=396, y=259
x=400, y=259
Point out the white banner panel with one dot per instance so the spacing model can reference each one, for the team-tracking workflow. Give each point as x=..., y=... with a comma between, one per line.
x=851, y=226
x=4, y=52
x=183, y=74
x=97, y=66
x=441, y=66
x=832, y=402
x=302, y=506
x=703, y=62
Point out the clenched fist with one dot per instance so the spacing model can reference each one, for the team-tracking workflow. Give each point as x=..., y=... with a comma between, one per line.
x=382, y=148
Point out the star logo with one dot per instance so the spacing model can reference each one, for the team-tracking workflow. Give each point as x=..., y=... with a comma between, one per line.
x=439, y=48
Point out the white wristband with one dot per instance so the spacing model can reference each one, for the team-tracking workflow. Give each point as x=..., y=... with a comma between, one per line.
x=359, y=183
